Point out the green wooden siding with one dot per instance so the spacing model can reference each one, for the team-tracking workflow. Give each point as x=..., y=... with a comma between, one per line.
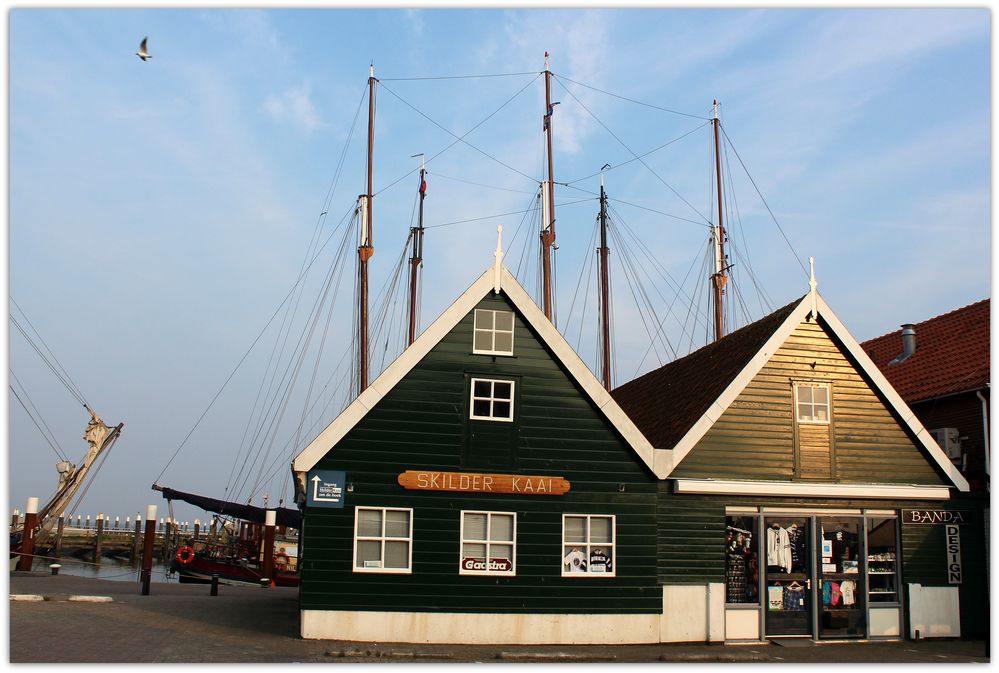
x=756, y=436
x=422, y=425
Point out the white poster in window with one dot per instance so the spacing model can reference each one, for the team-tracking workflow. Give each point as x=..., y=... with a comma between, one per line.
x=775, y=597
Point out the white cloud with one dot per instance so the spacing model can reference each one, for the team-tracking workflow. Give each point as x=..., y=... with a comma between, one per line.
x=294, y=106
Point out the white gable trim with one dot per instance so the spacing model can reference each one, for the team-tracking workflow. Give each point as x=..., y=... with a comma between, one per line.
x=409, y=358
x=800, y=312
x=811, y=490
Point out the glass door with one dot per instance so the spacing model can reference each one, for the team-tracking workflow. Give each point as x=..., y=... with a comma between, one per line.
x=841, y=572
x=788, y=588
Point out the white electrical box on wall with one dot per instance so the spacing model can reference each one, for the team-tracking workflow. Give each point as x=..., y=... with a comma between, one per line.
x=949, y=440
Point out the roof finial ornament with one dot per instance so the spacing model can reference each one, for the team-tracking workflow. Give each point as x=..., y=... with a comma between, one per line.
x=498, y=268
x=812, y=285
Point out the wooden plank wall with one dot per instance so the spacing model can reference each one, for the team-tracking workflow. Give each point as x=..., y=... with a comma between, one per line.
x=420, y=425
x=755, y=438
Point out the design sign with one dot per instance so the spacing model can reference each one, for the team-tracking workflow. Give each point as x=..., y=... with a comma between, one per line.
x=326, y=488
x=501, y=565
x=953, y=536
x=483, y=483
x=957, y=517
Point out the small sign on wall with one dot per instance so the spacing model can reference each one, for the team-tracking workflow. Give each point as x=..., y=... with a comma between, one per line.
x=952, y=534
x=326, y=488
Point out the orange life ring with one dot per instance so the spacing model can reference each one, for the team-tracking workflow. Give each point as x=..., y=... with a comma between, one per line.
x=280, y=560
x=185, y=555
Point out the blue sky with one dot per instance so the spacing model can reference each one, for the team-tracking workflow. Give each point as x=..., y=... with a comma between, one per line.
x=160, y=211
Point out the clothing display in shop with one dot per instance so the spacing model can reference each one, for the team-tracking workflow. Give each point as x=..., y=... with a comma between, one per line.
x=735, y=578
x=778, y=548
x=796, y=538
x=575, y=561
x=599, y=561
x=791, y=598
x=849, y=590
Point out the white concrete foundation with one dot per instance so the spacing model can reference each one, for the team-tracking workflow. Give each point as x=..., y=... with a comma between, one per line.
x=478, y=628
x=693, y=613
x=934, y=611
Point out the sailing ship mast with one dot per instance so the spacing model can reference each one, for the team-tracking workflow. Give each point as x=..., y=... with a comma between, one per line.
x=548, y=203
x=604, y=288
x=365, y=250
x=417, y=258
x=720, y=277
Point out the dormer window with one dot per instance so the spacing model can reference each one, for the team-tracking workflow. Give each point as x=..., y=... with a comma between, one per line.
x=493, y=332
x=812, y=402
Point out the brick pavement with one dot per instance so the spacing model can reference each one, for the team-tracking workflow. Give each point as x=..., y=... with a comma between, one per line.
x=183, y=623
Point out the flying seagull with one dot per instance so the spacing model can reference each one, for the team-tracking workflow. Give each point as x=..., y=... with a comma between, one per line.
x=142, y=53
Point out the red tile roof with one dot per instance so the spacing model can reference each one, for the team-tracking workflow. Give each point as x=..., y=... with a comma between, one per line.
x=666, y=402
x=952, y=354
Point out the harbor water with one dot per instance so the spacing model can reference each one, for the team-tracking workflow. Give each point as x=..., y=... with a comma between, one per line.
x=107, y=569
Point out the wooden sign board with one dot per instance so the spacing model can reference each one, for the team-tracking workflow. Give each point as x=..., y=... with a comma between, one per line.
x=471, y=482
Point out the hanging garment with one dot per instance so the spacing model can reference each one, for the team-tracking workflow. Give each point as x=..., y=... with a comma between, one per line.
x=736, y=579
x=848, y=588
x=826, y=593
x=796, y=538
x=794, y=598
x=835, y=593
x=775, y=597
x=779, y=548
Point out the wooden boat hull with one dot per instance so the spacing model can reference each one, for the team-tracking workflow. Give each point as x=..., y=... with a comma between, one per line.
x=200, y=571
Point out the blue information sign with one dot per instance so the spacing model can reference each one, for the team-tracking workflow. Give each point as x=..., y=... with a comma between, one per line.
x=326, y=488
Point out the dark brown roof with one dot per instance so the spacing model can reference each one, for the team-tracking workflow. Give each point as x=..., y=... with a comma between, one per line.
x=952, y=354
x=666, y=402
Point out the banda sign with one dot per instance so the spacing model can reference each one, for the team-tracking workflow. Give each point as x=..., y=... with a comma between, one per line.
x=483, y=483
x=956, y=517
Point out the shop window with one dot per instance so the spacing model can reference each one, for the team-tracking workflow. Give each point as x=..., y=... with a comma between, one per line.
x=493, y=332
x=491, y=400
x=488, y=544
x=742, y=560
x=588, y=545
x=812, y=402
x=882, y=561
x=383, y=540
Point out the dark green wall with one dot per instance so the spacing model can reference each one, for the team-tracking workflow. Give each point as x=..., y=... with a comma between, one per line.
x=421, y=425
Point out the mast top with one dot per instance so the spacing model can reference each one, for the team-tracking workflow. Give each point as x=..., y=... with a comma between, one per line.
x=546, y=61
x=714, y=108
x=602, y=168
x=498, y=266
x=371, y=71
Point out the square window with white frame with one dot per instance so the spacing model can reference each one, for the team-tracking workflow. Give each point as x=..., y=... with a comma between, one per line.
x=588, y=545
x=488, y=543
x=383, y=540
x=493, y=332
x=812, y=402
x=491, y=400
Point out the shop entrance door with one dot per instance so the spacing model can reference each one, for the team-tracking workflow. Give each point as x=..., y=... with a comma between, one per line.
x=841, y=571
x=788, y=590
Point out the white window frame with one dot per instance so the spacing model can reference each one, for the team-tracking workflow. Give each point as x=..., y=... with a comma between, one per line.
x=408, y=570
x=511, y=543
x=588, y=544
x=828, y=404
x=493, y=331
x=472, y=398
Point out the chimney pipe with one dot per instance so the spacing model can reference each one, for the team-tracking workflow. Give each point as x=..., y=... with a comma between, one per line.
x=908, y=340
x=908, y=344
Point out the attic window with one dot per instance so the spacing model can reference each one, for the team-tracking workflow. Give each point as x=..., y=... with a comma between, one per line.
x=812, y=402
x=492, y=400
x=493, y=332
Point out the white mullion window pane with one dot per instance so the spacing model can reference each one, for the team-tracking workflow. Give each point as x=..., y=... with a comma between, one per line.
x=487, y=543
x=587, y=545
x=492, y=400
x=493, y=332
x=383, y=539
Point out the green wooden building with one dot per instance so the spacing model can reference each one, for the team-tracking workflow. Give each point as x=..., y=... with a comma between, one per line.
x=485, y=488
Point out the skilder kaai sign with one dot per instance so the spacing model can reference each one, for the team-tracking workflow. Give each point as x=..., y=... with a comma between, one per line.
x=483, y=483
